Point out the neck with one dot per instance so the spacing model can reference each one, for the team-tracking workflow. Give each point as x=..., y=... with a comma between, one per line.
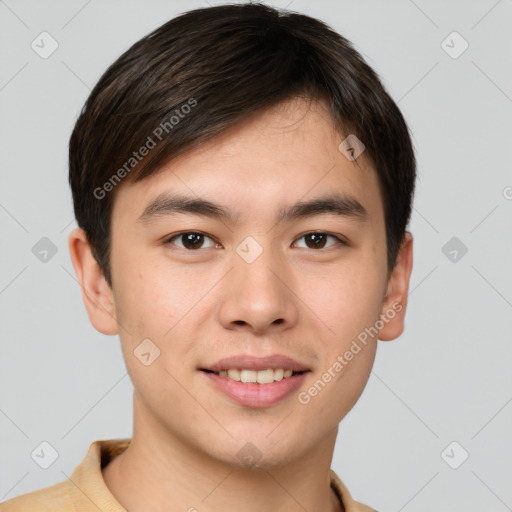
x=160, y=472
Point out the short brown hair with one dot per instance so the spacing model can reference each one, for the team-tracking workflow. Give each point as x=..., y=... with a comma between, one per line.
x=224, y=63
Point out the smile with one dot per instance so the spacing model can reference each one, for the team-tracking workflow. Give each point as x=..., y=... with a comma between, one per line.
x=266, y=376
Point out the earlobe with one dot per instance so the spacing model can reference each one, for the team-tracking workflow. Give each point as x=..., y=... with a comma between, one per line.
x=96, y=293
x=395, y=302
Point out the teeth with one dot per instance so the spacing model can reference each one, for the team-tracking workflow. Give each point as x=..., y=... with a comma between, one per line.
x=249, y=375
x=253, y=376
x=233, y=374
x=265, y=376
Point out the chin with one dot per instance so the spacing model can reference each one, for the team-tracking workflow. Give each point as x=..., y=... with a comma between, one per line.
x=257, y=449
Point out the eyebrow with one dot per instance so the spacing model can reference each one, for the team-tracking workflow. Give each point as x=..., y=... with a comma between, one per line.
x=166, y=204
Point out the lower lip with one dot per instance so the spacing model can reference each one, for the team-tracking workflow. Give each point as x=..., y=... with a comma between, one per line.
x=257, y=395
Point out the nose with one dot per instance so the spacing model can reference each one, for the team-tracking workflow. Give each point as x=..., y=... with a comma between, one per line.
x=258, y=297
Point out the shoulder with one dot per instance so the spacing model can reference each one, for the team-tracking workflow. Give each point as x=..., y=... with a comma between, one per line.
x=349, y=504
x=84, y=490
x=360, y=507
x=56, y=498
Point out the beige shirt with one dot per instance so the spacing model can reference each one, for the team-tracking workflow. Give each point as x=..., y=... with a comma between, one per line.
x=85, y=490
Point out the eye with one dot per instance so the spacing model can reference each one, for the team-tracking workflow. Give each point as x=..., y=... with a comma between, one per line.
x=318, y=239
x=195, y=240
x=191, y=240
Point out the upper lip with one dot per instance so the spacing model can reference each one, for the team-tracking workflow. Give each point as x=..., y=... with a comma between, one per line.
x=247, y=362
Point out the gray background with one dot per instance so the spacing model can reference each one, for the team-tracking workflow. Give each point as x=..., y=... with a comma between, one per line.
x=446, y=379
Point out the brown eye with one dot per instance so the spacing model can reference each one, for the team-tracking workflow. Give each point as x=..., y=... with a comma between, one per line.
x=191, y=240
x=318, y=240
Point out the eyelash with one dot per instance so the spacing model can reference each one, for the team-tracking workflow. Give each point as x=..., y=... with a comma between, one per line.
x=169, y=240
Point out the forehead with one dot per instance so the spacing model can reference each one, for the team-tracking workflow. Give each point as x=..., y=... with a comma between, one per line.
x=287, y=153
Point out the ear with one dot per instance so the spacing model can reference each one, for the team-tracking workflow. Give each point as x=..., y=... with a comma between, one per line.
x=96, y=293
x=395, y=301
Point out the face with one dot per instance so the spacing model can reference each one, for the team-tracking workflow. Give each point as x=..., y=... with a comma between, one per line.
x=272, y=287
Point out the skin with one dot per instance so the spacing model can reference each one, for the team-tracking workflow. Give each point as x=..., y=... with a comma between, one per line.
x=200, y=305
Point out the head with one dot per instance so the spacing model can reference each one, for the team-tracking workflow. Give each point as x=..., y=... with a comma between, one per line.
x=222, y=211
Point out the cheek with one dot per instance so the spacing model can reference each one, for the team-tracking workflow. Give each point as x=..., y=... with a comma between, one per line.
x=153, y=297
x=345, y=298
x=157, y=304
x=347, y=353
x=336, y=388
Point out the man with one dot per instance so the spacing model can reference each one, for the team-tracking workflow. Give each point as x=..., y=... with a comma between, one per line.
x=242, y=184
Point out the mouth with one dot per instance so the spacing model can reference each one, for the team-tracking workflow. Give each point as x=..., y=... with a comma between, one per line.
x=256, y=382
x=247, y=376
